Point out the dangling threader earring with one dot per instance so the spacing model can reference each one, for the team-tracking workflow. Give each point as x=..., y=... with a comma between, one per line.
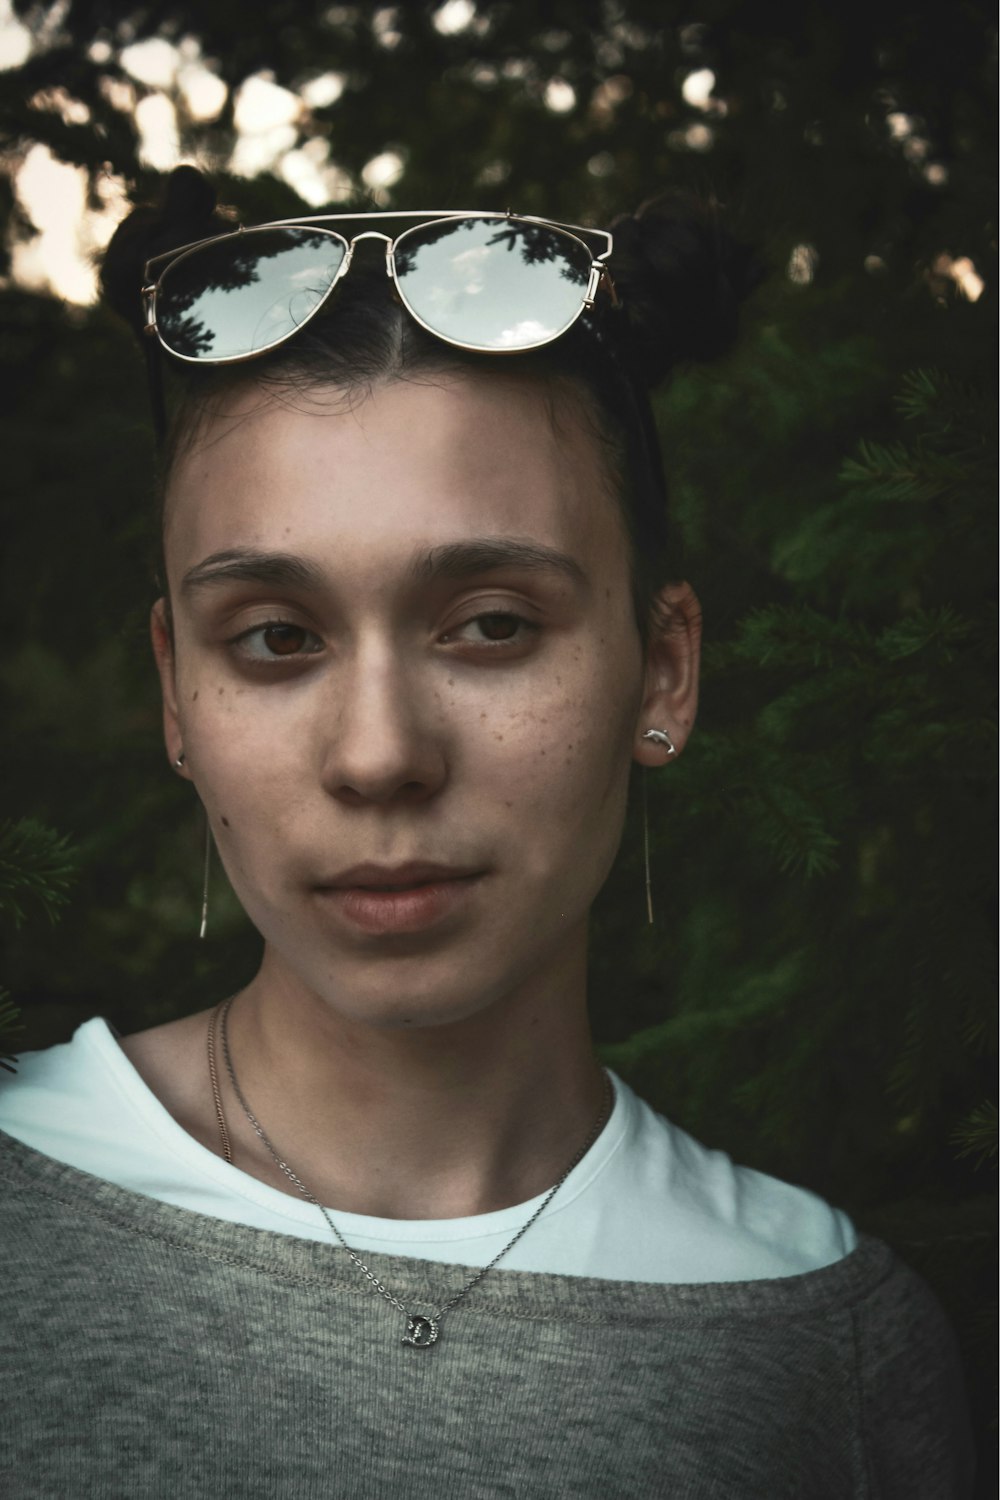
x=658, y=737
x=204, y=883
x=179, y=763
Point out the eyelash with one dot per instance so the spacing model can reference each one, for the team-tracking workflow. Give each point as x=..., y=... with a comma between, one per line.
x=239, y=642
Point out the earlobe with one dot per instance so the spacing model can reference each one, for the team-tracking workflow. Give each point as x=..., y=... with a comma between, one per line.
x=673, y=657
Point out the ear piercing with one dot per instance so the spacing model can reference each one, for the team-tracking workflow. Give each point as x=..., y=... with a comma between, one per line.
x=179, y=762
x=661, y=737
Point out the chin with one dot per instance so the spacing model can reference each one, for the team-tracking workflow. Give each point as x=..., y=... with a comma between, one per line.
x=409, y=991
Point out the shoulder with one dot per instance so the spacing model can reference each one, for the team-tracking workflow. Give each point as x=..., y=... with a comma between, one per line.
x=917, y=1428
x=728, y=1222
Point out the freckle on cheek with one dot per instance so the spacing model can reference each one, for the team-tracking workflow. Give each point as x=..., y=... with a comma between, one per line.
x=225, y=822
x=194, y=696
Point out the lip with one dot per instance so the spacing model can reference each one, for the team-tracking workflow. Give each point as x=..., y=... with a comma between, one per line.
x=409, y=898
x=377, y=877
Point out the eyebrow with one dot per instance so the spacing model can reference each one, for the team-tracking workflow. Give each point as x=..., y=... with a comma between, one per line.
x=451, y=560
x=488, y=554
x=247, y=565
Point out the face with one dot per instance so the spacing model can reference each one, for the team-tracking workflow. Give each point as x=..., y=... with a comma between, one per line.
x=408, y=683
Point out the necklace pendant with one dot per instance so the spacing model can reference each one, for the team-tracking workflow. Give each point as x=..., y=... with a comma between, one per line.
x=420, y=1332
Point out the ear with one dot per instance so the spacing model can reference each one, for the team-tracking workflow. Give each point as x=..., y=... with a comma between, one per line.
x=163, y=650
x=673, y=658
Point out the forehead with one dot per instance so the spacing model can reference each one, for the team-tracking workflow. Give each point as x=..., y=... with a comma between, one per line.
x=409, y=466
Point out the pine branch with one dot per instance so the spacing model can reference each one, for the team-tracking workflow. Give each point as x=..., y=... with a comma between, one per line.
x=976, y=1134
x=36, y=869
x=943, y=628
x=10, y=1024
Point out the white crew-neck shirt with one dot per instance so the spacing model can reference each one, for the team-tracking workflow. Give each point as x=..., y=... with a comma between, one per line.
x=647, y=1202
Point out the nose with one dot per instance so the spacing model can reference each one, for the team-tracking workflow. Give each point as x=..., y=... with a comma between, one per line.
x=385, y=742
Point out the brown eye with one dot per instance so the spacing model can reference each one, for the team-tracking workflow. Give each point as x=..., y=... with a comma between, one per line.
x=498, y=627
x=284, y=640
x=495, y=628
x=273, y=641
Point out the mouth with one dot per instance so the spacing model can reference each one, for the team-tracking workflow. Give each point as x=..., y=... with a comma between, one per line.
x=406, y=877
x=383, y=899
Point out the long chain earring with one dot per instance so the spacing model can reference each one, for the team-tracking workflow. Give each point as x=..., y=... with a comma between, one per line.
x=658, y=737
x=645, y=845
x=204, y=883
x=179, y=764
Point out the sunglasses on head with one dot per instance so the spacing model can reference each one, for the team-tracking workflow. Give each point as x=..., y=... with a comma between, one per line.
x=487, y=282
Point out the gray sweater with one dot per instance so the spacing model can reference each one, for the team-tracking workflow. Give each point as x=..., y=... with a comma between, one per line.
x=147, y=1352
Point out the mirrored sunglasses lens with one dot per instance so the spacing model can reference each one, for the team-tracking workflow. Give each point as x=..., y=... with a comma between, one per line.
x=490, y=283
x=245, y=293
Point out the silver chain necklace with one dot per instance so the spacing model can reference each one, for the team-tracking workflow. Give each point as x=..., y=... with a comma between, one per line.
x=421, y=1331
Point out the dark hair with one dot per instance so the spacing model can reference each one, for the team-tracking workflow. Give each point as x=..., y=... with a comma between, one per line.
x=680, y=278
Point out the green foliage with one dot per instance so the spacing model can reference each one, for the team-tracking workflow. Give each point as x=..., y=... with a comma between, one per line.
x=36, y=869
x=36, y=872
x=976, y=1134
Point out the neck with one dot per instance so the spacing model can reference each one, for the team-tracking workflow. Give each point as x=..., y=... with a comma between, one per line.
x=443, y=1121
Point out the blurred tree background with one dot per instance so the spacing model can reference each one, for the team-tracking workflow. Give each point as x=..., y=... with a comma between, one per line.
x=816, y=996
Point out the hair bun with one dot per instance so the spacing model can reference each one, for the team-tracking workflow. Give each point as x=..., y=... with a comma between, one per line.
x=187, y=212
x=681, y=278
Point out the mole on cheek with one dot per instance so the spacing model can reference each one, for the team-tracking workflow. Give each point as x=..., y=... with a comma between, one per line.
x=225, y=822
x=194, y=696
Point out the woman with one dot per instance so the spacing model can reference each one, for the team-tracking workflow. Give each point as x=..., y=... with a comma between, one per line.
x=380, y=1223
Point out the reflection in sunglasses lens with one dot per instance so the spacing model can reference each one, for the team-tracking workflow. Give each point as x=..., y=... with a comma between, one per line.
x=246, y=292
x=491, y=283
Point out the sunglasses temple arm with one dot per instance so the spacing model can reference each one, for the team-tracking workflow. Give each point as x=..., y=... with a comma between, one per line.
x=154, y=375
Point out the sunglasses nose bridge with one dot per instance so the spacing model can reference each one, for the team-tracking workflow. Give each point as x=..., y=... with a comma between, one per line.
x=370, y=234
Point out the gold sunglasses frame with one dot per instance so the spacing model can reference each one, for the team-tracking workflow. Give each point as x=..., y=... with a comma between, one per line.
x=599, y=271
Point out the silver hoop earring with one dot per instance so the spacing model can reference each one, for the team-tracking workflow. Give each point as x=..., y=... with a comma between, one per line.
x=204, y=883
x=661, y=737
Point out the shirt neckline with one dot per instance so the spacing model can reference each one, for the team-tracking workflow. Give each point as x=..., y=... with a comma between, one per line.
x=100, y=1038
x=324, y=1267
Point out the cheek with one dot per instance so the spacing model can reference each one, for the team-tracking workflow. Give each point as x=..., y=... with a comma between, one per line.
x=247, y=771
x=557, y=753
